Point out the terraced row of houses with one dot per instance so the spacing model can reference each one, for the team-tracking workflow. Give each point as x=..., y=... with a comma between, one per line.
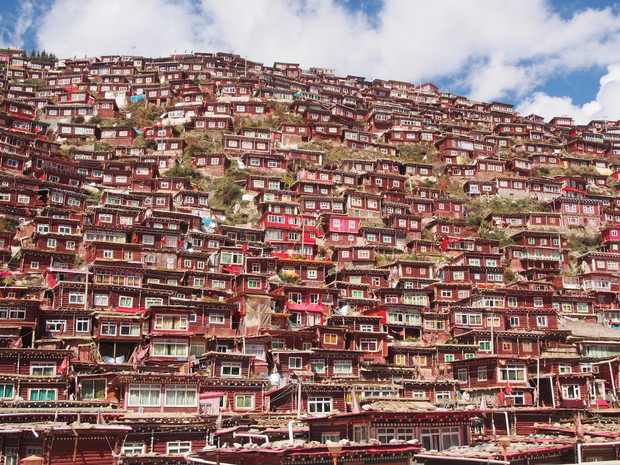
x=363, y=308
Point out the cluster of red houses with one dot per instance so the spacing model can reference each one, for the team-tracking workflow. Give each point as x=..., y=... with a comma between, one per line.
x=361, y=309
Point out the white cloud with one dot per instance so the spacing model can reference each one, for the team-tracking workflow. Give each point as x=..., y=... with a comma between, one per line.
x=13, y=29
x=606, y=105
x=492, y=50
x=23, y=23
x=93, y=27
x=490, y=80
x=316, y=33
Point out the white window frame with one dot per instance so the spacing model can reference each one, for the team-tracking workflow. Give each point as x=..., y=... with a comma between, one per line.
x=82, y=324
x=241, y=401
x=133, y=448
x=56, y=326
x=181, y=395
x=231, y=370
x=320, y=405
x=43, y=369
x=178, y=447
x=343, y=367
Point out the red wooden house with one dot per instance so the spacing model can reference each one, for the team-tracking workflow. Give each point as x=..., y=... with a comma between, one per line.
x=380, y=182
x=118, y=135
x=361, y=204
x=506, y=380
x=577, y=211
x=236, y=143
x=212, y=122
x=169, y=146
x=294, y=133
x=418, y=169
x=263, y=161
x=355, y=256
x=67, y=111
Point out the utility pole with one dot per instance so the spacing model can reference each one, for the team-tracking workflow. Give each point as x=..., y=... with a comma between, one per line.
x=86, y=291
x=298, y=398
x=492, y=336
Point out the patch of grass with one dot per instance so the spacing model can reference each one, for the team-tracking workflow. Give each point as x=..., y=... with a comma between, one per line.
x=99, y=146
x=225, y=193
x=478, y=209
x=142, y=113
x=582, y=240
x=421, y=153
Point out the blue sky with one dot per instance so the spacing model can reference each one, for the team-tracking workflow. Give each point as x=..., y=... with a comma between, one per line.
x=550, y=57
